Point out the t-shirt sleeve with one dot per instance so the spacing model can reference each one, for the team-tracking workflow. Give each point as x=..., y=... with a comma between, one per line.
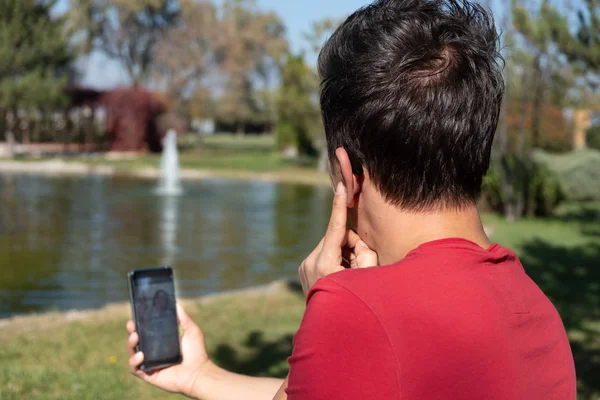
x=341, y=351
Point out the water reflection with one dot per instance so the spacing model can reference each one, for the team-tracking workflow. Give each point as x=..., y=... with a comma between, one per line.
x=68, y=243
x=168, y=229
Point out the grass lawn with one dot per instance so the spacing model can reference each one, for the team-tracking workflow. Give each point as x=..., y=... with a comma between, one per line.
x=221, y=155
x=46, y=357
x=86, y=359
x=221, y=151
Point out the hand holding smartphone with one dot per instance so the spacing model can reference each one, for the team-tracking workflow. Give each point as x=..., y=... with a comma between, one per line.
x=153, y=304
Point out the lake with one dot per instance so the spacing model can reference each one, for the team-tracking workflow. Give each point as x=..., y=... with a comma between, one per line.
x=68, y=243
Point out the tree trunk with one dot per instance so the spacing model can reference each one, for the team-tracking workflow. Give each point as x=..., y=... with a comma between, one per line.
x=3, y=113
x=538, y=102
x=66, y=133
x=524, y=112
x=323, y=160
x=506, y=174
x=10, y=132
x=89, y=129
x=240, y=129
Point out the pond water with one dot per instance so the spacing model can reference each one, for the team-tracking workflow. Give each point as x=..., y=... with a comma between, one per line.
x=68, y=243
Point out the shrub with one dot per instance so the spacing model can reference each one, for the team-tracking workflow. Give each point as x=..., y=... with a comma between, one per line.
x=578, y=173
x=539, y=187
x=544, y=191
x=593, y=138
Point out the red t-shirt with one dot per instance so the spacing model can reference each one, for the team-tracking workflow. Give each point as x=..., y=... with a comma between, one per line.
x=449, y=321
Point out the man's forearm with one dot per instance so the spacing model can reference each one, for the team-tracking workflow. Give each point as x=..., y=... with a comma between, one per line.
x=219, y=384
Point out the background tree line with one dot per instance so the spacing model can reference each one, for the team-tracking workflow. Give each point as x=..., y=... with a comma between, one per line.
x=230, y=61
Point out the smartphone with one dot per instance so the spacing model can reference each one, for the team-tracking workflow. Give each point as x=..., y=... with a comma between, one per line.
x=152, y=296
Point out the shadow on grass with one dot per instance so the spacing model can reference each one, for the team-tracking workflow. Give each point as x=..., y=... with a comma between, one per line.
x=259, y=356
x=266, y=357
x=570, y=277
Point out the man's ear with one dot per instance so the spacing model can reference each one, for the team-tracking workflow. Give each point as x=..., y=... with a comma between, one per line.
x=352, y=182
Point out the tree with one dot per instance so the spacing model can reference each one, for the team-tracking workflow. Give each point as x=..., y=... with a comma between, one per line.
x=319, y=32
x=186, y=54
x=126, y=30
x=582, y=47
x=584, y=44
x=538, y=80
x=34, y=62
x=250, y=46
x=299, y=118
x=545, y=70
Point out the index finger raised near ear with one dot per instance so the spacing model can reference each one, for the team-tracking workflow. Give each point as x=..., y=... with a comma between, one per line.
x=336, y=231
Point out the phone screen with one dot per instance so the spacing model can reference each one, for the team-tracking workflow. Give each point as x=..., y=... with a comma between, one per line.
x=153, y=301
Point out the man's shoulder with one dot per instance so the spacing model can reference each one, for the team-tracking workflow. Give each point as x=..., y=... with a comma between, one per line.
x=425, y=284
x=373, y=287
x=401, y=275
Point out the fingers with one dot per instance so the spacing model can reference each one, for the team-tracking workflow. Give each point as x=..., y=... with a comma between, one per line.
x=130, y=327
x=134, y=363
x=132, y=341
x=135, y=358
x=362, y=255
x=352, y=239
x=365, y=257
x=336, y=231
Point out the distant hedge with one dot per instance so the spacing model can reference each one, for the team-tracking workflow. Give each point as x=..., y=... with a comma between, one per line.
x=540, y=187
x=545, y=181
x=578, y=173
x=593, y=138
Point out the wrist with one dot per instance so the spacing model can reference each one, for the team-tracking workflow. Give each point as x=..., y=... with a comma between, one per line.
x=204, y=380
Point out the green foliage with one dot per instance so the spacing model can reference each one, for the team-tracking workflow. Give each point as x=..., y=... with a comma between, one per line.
x=33, y=56
x=299, y=119
x=544, y=191
x=539, y=187
x=584, y=45
x=578, y=173
x=593, y=138
x=556, y=144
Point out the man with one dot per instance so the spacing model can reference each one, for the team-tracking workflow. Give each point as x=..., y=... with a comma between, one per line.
x=411, y=93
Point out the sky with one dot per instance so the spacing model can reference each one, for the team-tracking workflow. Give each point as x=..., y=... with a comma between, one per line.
x=297, y=16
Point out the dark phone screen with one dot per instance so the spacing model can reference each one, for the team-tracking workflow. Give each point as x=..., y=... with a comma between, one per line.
x=156, y=316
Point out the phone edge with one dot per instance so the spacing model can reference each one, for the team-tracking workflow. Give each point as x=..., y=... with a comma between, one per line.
x=139, y=346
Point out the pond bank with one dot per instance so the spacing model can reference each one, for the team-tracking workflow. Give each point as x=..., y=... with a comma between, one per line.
x=60, y=167
x=45, y=321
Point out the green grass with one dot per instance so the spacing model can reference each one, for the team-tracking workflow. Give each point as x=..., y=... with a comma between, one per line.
x=254, y=142
x=224, y=155
x=252, y=334
x=221, y=155
x=247, y=153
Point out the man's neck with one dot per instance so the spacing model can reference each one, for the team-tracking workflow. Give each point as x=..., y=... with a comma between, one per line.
x=392, y=233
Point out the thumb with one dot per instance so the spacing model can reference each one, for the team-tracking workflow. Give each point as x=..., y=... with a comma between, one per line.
x=365, y=257
x=188, y=325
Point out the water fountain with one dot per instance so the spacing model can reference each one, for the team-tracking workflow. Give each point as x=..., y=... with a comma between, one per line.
x=169, y=184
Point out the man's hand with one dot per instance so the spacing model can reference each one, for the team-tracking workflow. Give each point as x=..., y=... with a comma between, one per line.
x=179, y=378
x=339, y=241
x=197, y=377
